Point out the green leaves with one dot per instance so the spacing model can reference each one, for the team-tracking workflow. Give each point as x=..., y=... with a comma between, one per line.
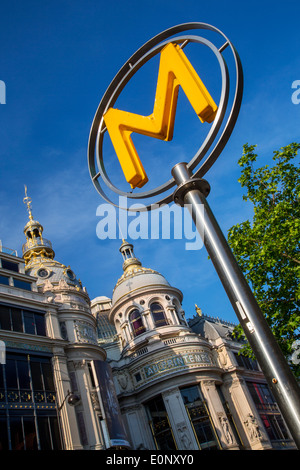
x=267, y=248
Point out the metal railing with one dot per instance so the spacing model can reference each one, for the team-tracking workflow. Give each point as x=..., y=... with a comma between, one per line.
x=8, y=251
x=35, y=243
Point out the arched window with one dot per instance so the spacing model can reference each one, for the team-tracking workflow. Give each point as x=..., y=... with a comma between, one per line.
x=136, y=322
x=158, y=314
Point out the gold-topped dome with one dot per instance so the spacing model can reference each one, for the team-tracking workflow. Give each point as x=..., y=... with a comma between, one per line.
x=39, y=255
x=36, y=245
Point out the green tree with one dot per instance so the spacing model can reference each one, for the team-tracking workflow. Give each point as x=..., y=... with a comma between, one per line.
x=267, y=248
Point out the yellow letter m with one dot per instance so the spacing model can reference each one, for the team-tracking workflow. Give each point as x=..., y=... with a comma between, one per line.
x=174, y=70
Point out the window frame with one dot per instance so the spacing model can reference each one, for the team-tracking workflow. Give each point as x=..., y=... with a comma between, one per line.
x=140, y=329
x=159, y=321
x=39, y=327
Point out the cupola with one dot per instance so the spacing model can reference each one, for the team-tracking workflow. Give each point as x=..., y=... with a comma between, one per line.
x=135, y=276
x=35, y=245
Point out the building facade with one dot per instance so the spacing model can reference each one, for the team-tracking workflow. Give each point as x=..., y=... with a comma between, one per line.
x=126, y=372
x=48, y=386
x=182, y=385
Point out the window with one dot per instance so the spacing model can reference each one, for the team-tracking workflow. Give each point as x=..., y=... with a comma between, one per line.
x=91, y=375
x=268, y=411
x=159, y=424
x=28, y=415
x=4, y=280
x=4, y=318
x=247, y=362
x=23, y=321
x=22, y=284
x=200, y=419
x=40, y=324
x=16, y=318
x=136, y=322
x=10, y=265
x=158, y=314
x=138, y=377
x=43, y=272
x=29, y=325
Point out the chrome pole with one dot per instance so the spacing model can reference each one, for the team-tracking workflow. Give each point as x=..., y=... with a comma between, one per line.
x=192, y=192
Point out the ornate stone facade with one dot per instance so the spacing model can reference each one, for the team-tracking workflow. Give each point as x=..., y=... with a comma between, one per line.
x=184, y=378
x=180, y=385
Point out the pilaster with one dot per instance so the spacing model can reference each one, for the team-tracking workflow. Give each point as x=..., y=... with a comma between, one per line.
x=218, y=415
x=179, y=421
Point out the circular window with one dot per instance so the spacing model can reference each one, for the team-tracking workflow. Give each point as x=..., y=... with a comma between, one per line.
x=70, y=274
x=43, y=272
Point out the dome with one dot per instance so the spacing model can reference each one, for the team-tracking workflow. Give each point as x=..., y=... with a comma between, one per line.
x=135, y=276
x=39, y=255
x=50, y=270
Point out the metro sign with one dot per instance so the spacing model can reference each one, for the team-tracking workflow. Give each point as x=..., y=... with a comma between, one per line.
x=174, y=70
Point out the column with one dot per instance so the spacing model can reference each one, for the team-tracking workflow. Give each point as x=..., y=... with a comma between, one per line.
x=86, y=409
x=218, y=415
x=171, y=313
x=148, y=320
x=179, y=420
x=136, y=422
x=251, y=428
x=68, y=422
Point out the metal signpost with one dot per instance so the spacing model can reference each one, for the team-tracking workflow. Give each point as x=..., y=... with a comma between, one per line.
x=192, y=189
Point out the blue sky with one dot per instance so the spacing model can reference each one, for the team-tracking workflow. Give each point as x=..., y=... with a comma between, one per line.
x=57, y=59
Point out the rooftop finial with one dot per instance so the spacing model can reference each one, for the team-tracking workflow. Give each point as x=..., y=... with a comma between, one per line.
x=27, y=200
x=198, y=310
x=128, y=255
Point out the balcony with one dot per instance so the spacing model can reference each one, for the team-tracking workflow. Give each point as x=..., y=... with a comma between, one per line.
x=8, y=251
x=36, y=243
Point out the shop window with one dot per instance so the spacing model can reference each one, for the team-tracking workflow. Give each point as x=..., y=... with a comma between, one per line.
x=3, y=433
x=160, y=425
x=200, y=418
x=136, y=322
x=158, y=314
x=28, y=415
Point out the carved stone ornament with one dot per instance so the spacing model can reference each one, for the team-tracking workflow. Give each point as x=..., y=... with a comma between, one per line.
x=226, y=429
x=184, y=436
x=85, y=333
x=48, y=286
x=62, y=284
x=223, y=357
x=95, y=400
x=122, y=379
x=252, y=428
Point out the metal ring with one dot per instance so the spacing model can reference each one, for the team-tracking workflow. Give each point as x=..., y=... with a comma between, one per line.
x=146, y=52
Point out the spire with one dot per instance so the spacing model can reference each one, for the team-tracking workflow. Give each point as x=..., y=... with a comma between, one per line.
x=27, y=200
x=130, y=261
x=36, y=245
